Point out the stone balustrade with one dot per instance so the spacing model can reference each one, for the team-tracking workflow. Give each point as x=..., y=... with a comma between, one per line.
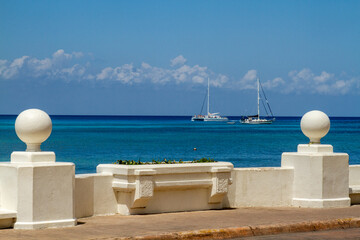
x=38, y=192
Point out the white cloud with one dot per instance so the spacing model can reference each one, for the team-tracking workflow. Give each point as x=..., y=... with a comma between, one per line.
x=305, y=74
x=125, y=74
x=145, y=65
x=2, y=65
x=220, y=80
x=40, y=65
x=324, y=76
x=155, y=75
x=179, y=60
x=59, y=65
x=89, y=77
x=344, y=86
x=248, y=81
x=14, y=68
x=75, y=70
x=250, y=76
x=192, y=74
x=198, y=79
x=60, y=54
x=301, y=81
x=78, y=54
x=325, y=83
x=323, y=88
x=182, y=74
x=76, y=66
x=276, y=82
x=19, y=62
x=105, y=74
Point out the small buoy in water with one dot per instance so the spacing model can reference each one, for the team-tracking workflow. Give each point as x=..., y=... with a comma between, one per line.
x=195, y=149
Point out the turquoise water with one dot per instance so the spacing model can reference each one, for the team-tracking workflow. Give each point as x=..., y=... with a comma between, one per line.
x=90, y=140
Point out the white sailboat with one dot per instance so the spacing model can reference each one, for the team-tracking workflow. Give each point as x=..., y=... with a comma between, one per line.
x=210, y=117
x=255, y=119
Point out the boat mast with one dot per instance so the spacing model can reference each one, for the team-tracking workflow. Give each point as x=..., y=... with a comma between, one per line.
x=208, y=105
x=258, y=84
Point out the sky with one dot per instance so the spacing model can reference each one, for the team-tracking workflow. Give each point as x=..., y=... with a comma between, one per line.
x=153, y=57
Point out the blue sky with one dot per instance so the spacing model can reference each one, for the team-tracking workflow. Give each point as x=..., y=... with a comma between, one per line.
x=154, y=57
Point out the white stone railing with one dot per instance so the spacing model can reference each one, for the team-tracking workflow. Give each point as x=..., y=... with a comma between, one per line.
x=261, y=187
x=94, y=195
x=38, y=192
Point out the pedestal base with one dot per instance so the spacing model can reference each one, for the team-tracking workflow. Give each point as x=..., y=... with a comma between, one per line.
x=321, y=203
x=315, y=148
x=45, y=224
x=32, y=157
x=41, y=192
x=321, y=177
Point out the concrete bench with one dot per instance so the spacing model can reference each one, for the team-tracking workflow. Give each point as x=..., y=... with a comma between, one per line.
x=354, y=194
x=354, y=189
x=7, y=218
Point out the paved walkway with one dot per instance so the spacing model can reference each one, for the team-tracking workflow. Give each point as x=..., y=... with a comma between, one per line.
x=216, y=224
x=348, y=234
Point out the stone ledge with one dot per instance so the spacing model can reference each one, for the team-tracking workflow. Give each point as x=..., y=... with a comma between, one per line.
x=32, y=157
x=4, y=213
x=46, y=224
x=354, y=189
x=7, y=218
x=315, y=148
x=250, y=231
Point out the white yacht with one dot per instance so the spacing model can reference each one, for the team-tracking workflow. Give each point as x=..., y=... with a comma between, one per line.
x=214, y=117
x=210, y=117
x=255, y=119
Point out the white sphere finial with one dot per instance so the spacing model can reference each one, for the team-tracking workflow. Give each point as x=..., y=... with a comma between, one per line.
x=315, y=125
x=33, y=127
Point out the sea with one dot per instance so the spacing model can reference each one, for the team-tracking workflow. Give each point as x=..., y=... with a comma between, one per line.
x=91, y=140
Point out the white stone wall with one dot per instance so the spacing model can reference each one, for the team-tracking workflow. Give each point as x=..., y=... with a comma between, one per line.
x=261, y=187
x=354, y=175
x=354, y=182
x=98, y=194
x=8, y=187
x=94, y=195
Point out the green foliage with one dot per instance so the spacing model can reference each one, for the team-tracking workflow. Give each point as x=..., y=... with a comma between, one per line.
x=164, y=161
x=203, y=160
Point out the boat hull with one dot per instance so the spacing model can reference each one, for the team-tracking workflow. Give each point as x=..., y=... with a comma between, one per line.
x=257, y=121
x=209, y=118
x=197, y=119
x=216, y=120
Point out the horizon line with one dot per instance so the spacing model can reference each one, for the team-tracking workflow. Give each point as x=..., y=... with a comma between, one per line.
x=107, y=115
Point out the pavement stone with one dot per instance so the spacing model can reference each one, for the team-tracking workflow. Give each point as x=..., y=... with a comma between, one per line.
x=346, y=234
x=212, y=224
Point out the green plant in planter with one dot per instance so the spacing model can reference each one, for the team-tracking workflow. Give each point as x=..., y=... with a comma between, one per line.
x=203, y=160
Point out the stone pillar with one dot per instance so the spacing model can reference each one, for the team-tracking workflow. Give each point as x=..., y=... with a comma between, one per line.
x=40, y=190
x=321, y=177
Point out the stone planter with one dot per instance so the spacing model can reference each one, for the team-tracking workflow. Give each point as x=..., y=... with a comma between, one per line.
x=157, y=188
